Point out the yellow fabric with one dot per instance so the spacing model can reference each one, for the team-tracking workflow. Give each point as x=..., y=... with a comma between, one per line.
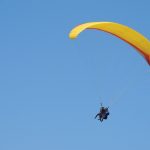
x=138, y=41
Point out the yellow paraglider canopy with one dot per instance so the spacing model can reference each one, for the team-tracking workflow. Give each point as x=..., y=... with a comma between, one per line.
x=130, y=36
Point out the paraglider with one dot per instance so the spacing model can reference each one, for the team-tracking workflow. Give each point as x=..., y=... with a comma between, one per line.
x=130, y=36
x=103, y=113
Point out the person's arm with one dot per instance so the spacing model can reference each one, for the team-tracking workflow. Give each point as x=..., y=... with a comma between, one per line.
x=96, y=115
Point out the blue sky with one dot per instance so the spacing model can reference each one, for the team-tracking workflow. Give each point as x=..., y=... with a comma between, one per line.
x=51, y=87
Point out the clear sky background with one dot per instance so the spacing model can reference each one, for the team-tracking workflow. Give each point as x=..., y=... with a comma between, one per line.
x=51, y=87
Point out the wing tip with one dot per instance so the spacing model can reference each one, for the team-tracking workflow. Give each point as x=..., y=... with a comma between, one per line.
x=147, y=57
x=72, y=36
